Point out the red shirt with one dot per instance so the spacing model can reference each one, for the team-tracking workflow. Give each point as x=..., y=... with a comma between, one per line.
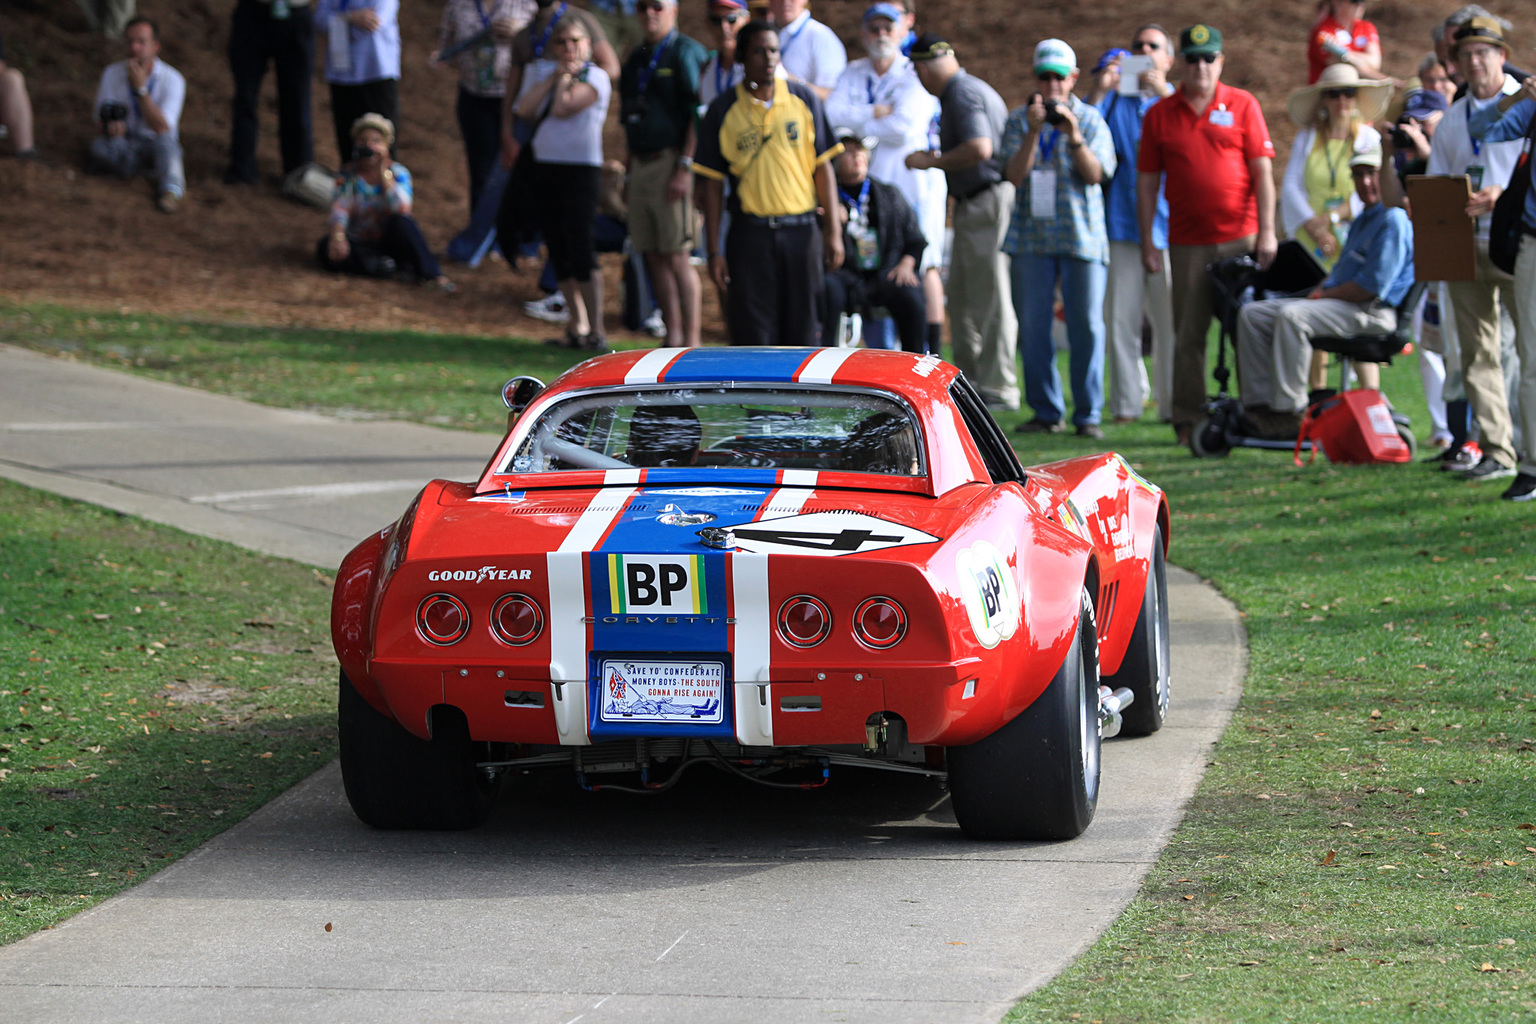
x=1205, y=162
x=1360, y=37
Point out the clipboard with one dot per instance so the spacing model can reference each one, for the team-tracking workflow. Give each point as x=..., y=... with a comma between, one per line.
x=1444, y=237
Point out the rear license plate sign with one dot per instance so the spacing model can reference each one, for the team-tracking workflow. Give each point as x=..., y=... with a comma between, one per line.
x=662, y=691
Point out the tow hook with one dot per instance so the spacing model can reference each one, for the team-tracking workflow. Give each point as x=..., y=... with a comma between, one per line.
x=1111, y=704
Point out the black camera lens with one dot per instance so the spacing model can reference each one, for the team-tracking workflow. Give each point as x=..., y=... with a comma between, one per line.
x=1053, y=114
x=361, y=152
x=1400, y=138
x=113, y=112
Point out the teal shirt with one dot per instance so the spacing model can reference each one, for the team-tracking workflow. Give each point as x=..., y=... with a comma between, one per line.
x=1078, y=229
x=660, y=118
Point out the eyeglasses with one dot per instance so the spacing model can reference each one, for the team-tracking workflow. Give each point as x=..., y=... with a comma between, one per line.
x=1050, y=76
x=727, y=19
x=1199, y=58
x=1141, y=45
x=1336, y=94
x=653, y=8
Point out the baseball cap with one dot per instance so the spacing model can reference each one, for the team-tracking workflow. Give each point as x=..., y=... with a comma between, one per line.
x=845, y=134
x=890, y=11
x=729, y=5
x=1367, y=157
x=1421, y=103
x=930, y=45
x=1055, y=55
x=1112, y=54
x=1199, y=39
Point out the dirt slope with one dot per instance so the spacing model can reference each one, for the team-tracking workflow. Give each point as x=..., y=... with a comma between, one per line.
x=246, y=254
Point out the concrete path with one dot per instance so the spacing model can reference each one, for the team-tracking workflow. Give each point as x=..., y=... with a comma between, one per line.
x=714, y=902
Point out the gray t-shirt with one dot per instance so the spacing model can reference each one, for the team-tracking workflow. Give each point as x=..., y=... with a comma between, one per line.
x=577, y=139
x=971, y=109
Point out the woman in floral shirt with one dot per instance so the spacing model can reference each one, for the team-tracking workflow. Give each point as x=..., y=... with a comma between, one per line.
x=372, y=230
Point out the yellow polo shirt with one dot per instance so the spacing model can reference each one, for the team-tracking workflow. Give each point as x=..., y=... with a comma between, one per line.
x=770, y=152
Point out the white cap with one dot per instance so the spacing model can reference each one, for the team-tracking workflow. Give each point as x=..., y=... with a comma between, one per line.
x=1055, y=55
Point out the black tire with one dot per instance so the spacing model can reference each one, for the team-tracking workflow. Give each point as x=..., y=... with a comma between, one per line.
x=1208, y=440
x=1145, y=668
x=1037, y=777
x=396, y=781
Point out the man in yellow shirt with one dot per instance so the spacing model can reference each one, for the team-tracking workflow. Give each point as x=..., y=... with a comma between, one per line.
x=771, y=140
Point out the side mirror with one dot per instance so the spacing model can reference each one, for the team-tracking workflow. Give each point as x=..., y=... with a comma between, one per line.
x=517, y=393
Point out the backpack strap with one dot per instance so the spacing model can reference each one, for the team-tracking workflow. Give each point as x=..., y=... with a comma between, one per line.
x=1303, y=434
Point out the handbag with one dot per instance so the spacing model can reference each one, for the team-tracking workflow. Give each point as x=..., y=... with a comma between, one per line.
x=1504, y=227
x=517, y=220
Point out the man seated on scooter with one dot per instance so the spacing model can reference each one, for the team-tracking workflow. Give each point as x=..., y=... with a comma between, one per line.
x=1373, y=274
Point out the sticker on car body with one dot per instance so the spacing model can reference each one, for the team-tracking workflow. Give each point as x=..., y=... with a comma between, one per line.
x=989, y=592
x=825, y=533
x=657, y=583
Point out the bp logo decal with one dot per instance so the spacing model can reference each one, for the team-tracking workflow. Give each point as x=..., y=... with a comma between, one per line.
x=991, y=596
x=657, y=583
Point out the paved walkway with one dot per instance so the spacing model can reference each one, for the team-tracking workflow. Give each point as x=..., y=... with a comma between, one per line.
x=711, y=903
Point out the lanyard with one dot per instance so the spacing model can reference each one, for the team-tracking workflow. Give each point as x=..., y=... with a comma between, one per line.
x=1477, y=144
x=722, y=84
x=1047, y=149
x=538, y=47
x=657, y=53
x=786, y=43
x=857, y=204
x=485, y=19
x=1333, y=165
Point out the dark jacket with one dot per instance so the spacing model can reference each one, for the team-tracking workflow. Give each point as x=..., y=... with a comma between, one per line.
x=896, y=224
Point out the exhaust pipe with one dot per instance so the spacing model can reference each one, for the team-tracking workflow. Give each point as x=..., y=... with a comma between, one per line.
x=1111, y=704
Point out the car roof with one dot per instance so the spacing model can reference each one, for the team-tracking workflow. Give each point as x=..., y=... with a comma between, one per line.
x=921, y=378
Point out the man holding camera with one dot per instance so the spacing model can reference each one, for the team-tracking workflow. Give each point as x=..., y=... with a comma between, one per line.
x=138, y=107
x=1057, y=151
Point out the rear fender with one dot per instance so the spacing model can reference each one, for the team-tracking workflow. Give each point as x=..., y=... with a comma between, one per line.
x=352, y=614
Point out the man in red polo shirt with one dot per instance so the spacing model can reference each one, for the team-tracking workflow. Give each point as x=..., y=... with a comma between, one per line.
x=1211, y=142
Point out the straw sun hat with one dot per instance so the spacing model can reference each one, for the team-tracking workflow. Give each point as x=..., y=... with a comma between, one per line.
x=1372, y=97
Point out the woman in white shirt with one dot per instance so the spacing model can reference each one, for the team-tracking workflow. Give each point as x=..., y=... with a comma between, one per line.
x=568, y=98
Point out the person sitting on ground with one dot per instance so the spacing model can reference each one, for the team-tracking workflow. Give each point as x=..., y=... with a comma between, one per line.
x=138, y=108
x=372, y=230
x=16, y=109
x=1373, y=274
x=882, y=248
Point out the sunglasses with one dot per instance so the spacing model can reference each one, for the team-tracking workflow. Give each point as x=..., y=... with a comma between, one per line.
x=1050, y=76
x=1201, y=58
x=653, y=8
x=1336, y=94
x=727, y=19
x=1141, y=45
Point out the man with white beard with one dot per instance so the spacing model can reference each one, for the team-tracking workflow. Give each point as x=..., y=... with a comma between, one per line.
x=880, y=97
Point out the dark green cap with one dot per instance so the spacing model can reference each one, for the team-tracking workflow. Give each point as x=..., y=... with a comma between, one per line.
x=1199, y=39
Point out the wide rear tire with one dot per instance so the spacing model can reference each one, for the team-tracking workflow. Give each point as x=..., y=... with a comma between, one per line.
x=1145, y=668
x=1037, y=777
x=395, y=780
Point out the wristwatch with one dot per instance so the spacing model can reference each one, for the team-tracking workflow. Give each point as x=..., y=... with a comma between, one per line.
x=141, y=91
x=685, y=162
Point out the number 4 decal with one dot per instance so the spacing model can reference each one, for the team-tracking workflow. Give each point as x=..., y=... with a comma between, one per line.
x=826, y=533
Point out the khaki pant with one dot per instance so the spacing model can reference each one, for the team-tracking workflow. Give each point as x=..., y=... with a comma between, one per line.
x=1274, y=343
x=1476, y=305
x=1192, y=310
x=1131, y=292
x=983, y=328
x=1525, y=341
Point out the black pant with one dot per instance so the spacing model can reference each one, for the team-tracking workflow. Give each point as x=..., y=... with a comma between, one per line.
x=401, y=242
x=350, y=102
x=775, y=283
x=480, y=124
x=567, y=211
x=849, y=291
x=255, y=38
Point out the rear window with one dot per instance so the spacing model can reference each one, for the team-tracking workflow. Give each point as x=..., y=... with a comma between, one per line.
x=724, y=428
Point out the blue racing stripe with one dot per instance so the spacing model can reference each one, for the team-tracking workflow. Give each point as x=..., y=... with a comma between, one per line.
x=640, y=529
x=769, y=365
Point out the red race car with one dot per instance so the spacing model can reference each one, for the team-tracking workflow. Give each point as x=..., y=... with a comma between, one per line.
x=774, y=561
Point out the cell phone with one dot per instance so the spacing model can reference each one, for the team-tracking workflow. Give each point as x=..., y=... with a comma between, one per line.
x=1131, y=70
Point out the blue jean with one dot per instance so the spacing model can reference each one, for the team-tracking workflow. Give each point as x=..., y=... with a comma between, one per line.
x=158, y=156
x=1034, y=297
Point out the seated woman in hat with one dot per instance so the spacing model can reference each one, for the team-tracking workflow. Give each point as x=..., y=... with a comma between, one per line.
x=1317, y=195
x=372, y=230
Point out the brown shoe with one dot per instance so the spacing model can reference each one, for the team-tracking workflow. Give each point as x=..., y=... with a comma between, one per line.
x=168, y=202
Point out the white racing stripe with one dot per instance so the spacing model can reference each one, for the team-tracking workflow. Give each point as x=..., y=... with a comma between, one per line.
x=649, y=367
x=621, y=476
x=824, y=366
x=309, y=491
x=606, y=506
x=750, y=654
x=786, y=501
x=568, y=646
x=799, y=478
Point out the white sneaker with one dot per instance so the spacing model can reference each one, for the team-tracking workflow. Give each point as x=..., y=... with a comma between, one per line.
x=654, y=325
x=551, y=308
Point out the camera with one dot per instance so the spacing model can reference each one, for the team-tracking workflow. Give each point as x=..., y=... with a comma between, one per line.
x=1400, y=138
x=110, y=112
x=361, y=152
x=1053, y=114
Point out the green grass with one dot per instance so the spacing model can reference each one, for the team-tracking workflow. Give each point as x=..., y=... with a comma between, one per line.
x=443, y=379
x=155, y=688
x=1390, y=613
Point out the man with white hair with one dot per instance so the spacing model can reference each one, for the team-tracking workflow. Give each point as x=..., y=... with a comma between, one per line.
x=810, y=52
x=880, y=97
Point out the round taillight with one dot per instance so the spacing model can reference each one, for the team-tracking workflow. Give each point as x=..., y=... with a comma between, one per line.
x=879, y=622
x=442, y=619
x=804, y=621
x=516, y=620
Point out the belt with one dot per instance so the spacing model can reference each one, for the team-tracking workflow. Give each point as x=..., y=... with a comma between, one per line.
x=973, y=193
x=794, y=220
x=646, y=158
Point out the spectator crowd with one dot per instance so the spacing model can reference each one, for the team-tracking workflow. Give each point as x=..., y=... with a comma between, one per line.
x=831, y=200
